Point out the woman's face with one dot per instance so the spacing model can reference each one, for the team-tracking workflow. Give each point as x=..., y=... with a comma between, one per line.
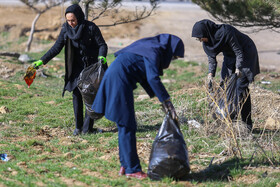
x=174, y=58
x=202, y=39
x=71, y=19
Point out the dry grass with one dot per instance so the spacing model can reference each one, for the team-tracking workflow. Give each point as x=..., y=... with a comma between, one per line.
x=262, y=142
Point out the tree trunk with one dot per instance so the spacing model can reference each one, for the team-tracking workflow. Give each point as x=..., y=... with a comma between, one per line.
x=86, y=7
x=28, y=46
x=62, y=13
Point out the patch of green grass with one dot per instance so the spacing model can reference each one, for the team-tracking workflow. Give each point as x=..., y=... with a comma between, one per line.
x=184, y=64
x=7, y=44
x=36, y=133
x=273, y=86
x=21, y=40
x=38, y=55
x=4, y=34
x=110, y=58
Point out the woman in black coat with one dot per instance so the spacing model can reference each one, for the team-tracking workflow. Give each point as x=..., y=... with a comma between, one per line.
x=84, y=45
x=240, y=57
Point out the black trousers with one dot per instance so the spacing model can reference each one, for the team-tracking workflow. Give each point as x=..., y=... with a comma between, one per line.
x=244, y=99
x=84, y=124
x=243, y=91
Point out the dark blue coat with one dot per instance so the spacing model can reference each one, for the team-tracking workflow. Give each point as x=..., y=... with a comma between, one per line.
x=141, y=62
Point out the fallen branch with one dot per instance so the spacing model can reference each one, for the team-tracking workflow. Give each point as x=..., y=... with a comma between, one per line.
x=11, y=54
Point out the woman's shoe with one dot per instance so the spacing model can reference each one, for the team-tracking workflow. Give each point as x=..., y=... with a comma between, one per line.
x=77, y=132
x=138, y=175
x=122, y=171
x=93, y=131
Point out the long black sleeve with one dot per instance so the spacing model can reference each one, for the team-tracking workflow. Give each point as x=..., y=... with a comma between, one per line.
x=103, y=48
x=237, y=49
x=212, y=65
x=55, y=49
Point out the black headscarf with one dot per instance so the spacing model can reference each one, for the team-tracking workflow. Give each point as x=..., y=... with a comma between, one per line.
x=216, y=34
x=160, y=49
x=75, y=33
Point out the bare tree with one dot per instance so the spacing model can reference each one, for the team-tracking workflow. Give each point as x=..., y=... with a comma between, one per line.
x=96, y=9
x=86, y=4
x=103, y=8
x=44, y=5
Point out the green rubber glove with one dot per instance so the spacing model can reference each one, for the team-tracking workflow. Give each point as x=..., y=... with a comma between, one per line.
x=102, y=59
x=37, y=63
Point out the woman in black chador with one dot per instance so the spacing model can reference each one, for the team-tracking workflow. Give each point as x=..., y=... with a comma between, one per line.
x=84, y=45
x=240, y=57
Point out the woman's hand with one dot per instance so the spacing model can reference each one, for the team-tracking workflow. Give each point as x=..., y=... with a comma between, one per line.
x=210, y=80
x=37, y=63
x=168, y=107
x=238, y=73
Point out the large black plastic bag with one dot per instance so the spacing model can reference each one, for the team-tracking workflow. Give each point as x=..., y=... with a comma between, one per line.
x=88, y=84
x=169, y=154
x=227, y=99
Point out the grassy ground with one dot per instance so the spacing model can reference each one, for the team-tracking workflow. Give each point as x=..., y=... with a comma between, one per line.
x=36, y=127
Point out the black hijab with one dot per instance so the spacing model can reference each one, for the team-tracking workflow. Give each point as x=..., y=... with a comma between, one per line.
x=75, y=33
x=159, y=49
x=216, y=34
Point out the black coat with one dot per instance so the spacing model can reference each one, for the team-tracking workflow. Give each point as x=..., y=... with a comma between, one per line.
x=236, y=47
x=78, y=54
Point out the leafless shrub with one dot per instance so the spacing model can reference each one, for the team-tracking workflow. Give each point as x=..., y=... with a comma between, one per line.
x=262, y=142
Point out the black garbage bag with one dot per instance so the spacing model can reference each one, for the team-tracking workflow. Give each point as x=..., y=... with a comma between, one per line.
x=227, y=99
x=88, y=84
x=169, y=154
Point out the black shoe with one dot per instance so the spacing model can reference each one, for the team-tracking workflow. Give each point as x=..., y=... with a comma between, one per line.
x=250, y=127
x=77, y=132
x=93, y=131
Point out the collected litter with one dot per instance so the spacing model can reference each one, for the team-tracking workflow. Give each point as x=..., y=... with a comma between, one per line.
x=169, y=154
x=266, y=82
x=24, y=58
x=194, y=123
x=4, y=157
x=30, y=75
x=225, y=102
x=88, y=84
